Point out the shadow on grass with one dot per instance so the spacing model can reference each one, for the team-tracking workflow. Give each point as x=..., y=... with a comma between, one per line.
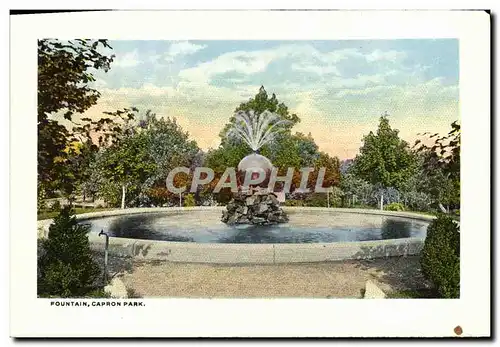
x=401, y=273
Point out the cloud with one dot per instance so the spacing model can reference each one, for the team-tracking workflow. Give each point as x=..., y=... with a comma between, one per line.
x=242, y=62
x=379, y=55
x=338, y=94
x=127, y=60
x=182, y=48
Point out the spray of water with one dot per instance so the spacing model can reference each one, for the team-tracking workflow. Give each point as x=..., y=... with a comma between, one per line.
x=257, y=129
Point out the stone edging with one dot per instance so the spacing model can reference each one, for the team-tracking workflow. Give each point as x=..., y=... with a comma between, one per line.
x=253, y=253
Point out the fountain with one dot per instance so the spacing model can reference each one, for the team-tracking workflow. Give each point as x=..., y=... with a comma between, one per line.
x=255, y=202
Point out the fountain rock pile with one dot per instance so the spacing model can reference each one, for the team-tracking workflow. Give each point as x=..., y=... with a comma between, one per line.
x=260, y=208
x=255, y=205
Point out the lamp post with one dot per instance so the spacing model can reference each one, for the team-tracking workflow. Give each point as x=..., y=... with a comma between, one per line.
x=105, y=256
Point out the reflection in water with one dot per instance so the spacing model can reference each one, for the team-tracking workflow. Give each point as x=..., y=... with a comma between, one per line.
x=182, y=228
x=139, y=227
x=395, y=229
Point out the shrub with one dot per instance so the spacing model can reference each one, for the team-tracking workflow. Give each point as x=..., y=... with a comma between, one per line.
x=294, y=203
x=440, y=258
x=56, y=206
x=316, y=200
x=395, y=206
x=65, y=264
x=189, y=200
x=417, y=201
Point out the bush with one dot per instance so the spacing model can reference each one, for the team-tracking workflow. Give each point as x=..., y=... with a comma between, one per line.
x=395, y=206
x=417, y=201
x=440, y=258
x=189, y=201
x=294, y=203
x=316, y=200
x=65, y=264
x=56, y=206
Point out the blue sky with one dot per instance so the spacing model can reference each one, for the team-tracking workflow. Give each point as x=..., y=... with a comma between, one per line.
x=338, y=88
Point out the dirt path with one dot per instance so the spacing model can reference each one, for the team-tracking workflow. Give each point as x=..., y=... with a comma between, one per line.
x=334, y=279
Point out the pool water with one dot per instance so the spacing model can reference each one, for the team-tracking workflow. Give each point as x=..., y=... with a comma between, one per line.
x=304, y=227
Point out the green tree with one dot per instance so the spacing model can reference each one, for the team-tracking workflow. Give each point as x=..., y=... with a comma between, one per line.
x=384, y=158
x=140, y=157
x=65, y=266
x=127, y=163
x=440, y=166
x=65, y=71
x=262, y=102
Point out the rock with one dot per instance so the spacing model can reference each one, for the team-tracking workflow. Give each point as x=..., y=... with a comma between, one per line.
x=225, y=216
x=231, y=219
x=372, y=291
x=231, y=206
x=251, y=200
x=261, y=208
x=273, y=199
x=258, y=220
x=116, y=289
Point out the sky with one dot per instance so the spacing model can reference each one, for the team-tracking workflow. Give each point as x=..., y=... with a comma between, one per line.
x=339, y=88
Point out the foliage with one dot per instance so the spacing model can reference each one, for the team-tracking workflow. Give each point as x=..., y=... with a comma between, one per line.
x=394, y=207
x=423, y=293
x=56, y=206
x=65, y=69
x=440, y=174
x=77, y=210
x=189, y=200
x=287, y=150
x=41, y=195
x=440, y=257
x=294, y=202
x=126, y=163
x=390, y=195
x=66, y=267
x=384, y=159
x=140, y=158
x=98, y=293
x=417, y=201
x=445, y=151
x=260, y=103
x=356, y=187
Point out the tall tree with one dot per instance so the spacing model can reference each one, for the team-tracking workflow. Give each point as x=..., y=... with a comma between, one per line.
x=127, y=163
x=262, y=102
x=384, y=158
x=65, y=71
x=440, y=168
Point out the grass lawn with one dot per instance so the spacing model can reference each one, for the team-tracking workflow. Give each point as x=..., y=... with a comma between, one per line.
x=78, y=210
x=413, y=294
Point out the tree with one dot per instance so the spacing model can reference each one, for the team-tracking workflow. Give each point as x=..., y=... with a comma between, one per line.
x=141, y=155
x=65, y=69
x=286, y=150
x=356, y=189
x=260, y=103
x=65, y=266
x=384, y=158
x=440, y=166
x=127, y=163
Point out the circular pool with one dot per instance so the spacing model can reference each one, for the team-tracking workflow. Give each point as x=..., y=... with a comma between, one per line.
x=304, y=227
x=197, y=235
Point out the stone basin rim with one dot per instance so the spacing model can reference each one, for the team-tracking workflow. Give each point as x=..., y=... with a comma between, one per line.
x=288, y=209
x=257, y=253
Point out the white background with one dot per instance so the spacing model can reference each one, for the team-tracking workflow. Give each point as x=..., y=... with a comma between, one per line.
x=304, y=317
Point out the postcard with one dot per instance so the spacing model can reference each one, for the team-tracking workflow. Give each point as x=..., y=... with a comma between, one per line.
x=250, y=174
